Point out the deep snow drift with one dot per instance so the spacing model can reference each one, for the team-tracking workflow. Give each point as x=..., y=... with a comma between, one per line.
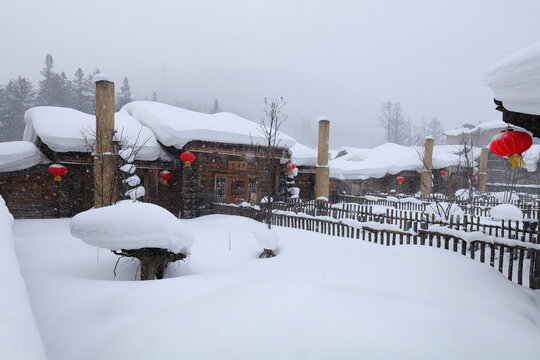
x=322, y=297
x=19, y=338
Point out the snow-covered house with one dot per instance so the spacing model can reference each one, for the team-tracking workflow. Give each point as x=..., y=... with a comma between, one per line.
x=229, y=165
x=479, y=135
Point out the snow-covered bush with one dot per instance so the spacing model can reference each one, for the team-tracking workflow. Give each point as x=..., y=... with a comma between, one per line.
x=145, y=231
x=268, y=240
x=444, y=210
x=506, y=212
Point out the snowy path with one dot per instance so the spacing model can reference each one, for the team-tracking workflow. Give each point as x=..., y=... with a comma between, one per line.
x=322, y=298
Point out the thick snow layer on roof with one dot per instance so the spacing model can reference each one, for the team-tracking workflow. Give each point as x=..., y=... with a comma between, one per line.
x=131, y=225
x=303, y=155
x=484, y=126
x=19, y=155
x=19, y=337
x=176, y=127
x=515, y=80
x=64, y=130
x=390, y=158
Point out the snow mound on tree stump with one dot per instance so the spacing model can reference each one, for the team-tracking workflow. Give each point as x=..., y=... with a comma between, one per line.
x=266, y=238
x=131, y=225
x=506, y=212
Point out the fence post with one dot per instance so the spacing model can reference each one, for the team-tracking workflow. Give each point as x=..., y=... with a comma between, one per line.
x=534, y=274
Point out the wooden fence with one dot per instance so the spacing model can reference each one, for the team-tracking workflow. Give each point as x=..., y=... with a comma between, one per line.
x=507, y=254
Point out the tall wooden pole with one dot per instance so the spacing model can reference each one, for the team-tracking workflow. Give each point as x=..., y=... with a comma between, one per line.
x=425, y=177
x=482, y=170
x=105, y=182
x=322, y=172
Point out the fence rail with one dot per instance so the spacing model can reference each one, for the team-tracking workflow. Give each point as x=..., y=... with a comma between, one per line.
x=506, y=253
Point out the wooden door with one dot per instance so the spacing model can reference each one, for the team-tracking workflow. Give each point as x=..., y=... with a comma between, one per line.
x=237, y=190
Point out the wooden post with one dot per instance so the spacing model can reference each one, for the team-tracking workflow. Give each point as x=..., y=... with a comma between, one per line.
x=425, y=177
x=105, y=182
x=482, y=170
x=322, y=172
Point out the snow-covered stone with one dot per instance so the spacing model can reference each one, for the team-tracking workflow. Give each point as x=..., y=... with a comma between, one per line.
x=19, y=155
x=506, y=212
x=131, y=225
x=266, y=238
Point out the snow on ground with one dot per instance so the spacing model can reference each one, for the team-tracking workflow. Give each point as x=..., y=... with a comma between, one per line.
x=322, y=297
x=506, y=212
x=19, y=155
x=389, y=158
x=64, y=130
x=174, y=126
x=515, y=80
x=19, y=337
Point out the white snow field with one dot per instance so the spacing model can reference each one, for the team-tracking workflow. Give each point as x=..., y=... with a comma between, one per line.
x=322, y=297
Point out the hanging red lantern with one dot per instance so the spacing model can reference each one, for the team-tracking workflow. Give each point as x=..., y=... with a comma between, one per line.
x=290, y=166
x=187, y=157
x=444, y=173
x=400, y=179
x=58, y=170
x=165, y=175
x=511, y=144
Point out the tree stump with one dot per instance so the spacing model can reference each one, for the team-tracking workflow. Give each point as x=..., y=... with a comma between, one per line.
x=154, y=261
x=266, y=254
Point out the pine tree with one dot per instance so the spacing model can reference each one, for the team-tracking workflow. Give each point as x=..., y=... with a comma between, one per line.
x=124, y=96
x=18, y=96
x=154, y=97
x=215, y=107
x=48, y=86
x=90, y=93
x=80, y=98
x=64, y=91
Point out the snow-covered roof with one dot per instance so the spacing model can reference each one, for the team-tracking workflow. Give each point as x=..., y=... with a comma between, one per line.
x=389, y=158
x=19, y=155
x=515, y=80
x=303, y=155
x=483, y=126
x=176, y=127
x=64, y=130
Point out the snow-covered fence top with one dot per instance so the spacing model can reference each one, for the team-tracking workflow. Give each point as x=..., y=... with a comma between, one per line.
x=19, y=337
x=376, y=229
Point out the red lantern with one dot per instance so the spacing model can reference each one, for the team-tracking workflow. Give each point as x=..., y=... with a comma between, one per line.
x=511, y=144
x=187, y=157
x=58, y=170
x=444, y=173
x=165, y=175
x=400, y=179
x=290, y=166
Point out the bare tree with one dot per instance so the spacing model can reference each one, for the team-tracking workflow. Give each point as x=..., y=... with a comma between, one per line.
x=436, y=131
x=392, y=120
x=270, y=123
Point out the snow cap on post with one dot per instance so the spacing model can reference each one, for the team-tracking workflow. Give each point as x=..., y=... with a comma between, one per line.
x=101, y=77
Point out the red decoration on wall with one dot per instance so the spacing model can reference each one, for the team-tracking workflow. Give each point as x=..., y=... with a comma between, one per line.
x=187, y=157
x=165, y=175
x=400, y=179
x=511, y=144
x=444, y=173
x=58, y=170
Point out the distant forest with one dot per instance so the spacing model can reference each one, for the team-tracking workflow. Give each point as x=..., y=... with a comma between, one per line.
x=56, y=89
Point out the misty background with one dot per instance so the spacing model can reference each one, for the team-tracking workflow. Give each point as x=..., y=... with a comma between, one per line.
x=341, y=59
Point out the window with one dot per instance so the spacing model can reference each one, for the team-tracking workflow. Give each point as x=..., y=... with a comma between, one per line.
x=221, y=190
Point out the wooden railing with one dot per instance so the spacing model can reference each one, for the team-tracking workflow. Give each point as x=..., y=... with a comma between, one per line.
x=507, y=253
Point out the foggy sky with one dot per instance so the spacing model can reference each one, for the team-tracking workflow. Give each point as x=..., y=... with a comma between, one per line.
x=336, y=58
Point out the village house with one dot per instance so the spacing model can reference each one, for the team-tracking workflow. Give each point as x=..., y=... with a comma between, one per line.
x=229, y=166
